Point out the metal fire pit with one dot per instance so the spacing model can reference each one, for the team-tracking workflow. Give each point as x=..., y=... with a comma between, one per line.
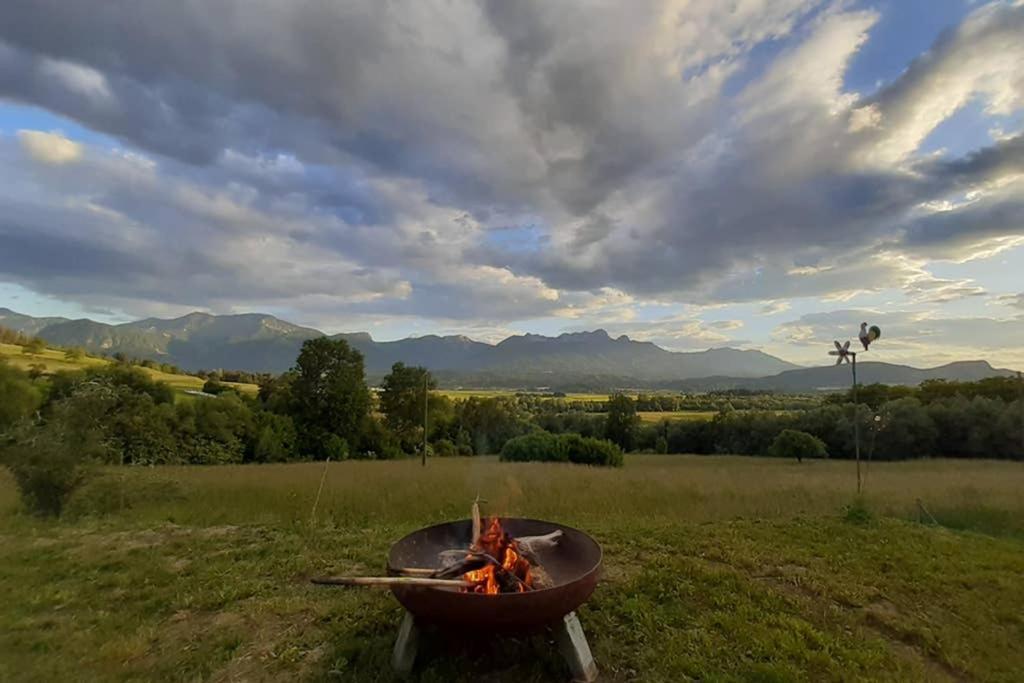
x=574, y=566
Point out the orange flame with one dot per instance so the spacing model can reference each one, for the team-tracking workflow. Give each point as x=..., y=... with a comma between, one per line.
x=498, y=545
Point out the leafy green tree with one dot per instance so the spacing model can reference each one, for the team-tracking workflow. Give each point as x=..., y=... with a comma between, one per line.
x=622, y=422
x=487, y=423
x=908, y=430
x=35, y=345
x=792, y=443
x=275, y=437
x=329, y=393
x=51, y=456
x=74, y=353
x=275, y=393
x=402, y=397
x=19, y=397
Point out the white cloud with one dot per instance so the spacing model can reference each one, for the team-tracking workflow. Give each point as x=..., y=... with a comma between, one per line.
x=49, y=148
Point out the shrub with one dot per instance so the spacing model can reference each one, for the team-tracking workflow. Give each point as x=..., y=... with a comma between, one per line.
x=335, y=447
x=537, y=446
x=443, y=448
x=543, y=446
x=791, y=443
x=50, y=459
x=590, y=451
x=19, y=398
x=661, y=445
x=212, y=386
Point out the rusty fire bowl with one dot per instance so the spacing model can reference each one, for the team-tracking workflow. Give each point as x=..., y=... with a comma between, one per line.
x=574, y=566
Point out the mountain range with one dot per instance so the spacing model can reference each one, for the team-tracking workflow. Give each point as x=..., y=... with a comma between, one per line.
x=572, y=361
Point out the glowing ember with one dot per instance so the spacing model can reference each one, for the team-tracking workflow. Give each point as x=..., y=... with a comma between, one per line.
x=507, y=570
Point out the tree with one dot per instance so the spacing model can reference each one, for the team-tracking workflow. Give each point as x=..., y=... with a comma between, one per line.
x=329, y=393
x=792, y=443
x=35, y=345
x=622, y=422
x=19, y=397
x=402, y=394
x=74, y=353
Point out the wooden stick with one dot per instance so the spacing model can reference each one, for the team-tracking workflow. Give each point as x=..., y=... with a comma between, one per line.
x=323, y=478
x=389, y=581
x=475, y=513
x=416, y=571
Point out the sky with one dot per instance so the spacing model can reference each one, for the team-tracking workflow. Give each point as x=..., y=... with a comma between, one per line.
x=697, y=173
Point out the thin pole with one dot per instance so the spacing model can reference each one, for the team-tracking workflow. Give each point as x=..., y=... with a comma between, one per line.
x=856, y=421
x=424, y=456
x=1020, y=381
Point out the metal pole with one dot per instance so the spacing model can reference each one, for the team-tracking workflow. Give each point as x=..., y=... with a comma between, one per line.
x=424, y=419
x=856, y=421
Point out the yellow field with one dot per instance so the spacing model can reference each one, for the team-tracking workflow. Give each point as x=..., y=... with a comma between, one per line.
x=689, y=415
x=460, y=394
x=53, y=360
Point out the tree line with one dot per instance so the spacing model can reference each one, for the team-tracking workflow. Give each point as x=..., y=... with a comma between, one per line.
x=53, y=428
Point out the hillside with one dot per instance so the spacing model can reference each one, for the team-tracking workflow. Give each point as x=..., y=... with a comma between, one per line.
x=838, y=377
x=54, y=360
x=263, y=343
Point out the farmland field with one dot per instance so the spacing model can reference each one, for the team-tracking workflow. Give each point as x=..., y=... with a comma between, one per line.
x=718, y=568
x=672, y=415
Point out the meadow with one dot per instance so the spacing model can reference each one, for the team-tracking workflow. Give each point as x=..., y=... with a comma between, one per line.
x=716, y=568
x=55, y=360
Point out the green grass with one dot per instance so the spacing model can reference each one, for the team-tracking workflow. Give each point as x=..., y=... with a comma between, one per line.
x=716, y=568
x=54, y=360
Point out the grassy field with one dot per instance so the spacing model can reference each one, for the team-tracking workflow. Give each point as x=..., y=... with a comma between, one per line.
x=53, y=360
x=716, y=568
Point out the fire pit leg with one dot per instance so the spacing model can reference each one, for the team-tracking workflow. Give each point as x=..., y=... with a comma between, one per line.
x=404, y=655
x=572, y=643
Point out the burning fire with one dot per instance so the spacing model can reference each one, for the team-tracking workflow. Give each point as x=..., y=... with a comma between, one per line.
x=506, y=571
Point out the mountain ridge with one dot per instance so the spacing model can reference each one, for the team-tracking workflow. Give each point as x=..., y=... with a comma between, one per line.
x=589, y=360
x=263, y=343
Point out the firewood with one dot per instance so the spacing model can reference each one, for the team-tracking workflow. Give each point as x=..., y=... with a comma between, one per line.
x=541, y=579
x=417, y=571
x=531, y=546
x=467, y=564
x=446, y=558
x=477, y=524
x=389, y=581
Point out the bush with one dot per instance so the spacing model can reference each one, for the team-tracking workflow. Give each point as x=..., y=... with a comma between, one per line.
x=537, y=446
x=50, y=459
x=589, y=451
x=543, y=446
x=791, y=443
x=212, y=386
x=335, y=448
x=443, y=448
x=661, y=445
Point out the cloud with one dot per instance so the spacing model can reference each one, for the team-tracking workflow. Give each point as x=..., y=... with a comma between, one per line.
x=481, y=163
x=914, y=337
x=49, y=148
